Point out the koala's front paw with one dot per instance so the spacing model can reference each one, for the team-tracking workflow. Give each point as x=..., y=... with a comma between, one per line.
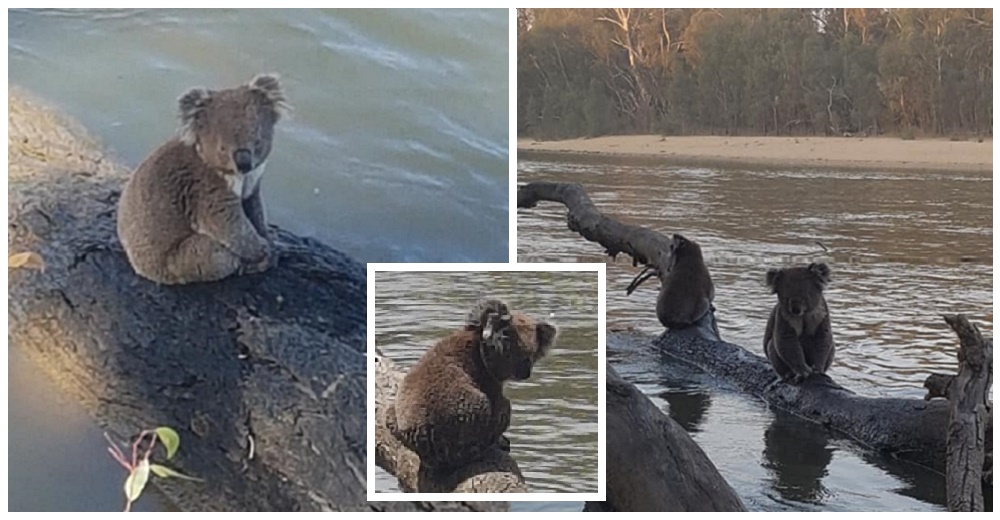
x=504, y=443
x=799, y=377
x=262, y=261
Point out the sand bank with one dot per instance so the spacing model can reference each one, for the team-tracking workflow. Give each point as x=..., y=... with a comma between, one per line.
x=877, y=153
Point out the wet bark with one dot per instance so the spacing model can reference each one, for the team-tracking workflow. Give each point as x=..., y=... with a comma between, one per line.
x=653, y=464
x=263, y=376
x=970, y=416
x=911, y=429
x=495, y=473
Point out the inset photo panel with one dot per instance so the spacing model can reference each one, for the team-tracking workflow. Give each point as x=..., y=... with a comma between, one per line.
x=486, y=383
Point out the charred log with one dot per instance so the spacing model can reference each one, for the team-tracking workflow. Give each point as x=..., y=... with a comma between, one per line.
x=263, y=376
x=970, y=417
x=653, y=464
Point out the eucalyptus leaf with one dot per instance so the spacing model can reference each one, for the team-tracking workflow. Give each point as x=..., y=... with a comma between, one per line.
x=171, y=441
x=136, y=480
x=27, y=259
x=166, y=472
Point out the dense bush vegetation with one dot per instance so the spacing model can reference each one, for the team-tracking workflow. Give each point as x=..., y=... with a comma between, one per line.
x=588, y=72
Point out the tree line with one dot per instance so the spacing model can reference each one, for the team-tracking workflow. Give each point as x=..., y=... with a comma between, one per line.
x=590, y=72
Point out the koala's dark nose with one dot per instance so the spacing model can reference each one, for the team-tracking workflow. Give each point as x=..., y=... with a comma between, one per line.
x=796, y=308
x=522, y=370
x=243, y=159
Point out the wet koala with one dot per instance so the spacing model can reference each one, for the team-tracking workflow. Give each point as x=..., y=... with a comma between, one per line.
x=450, y=408
x=686, y=290
x=192, y=211
x=798, y=340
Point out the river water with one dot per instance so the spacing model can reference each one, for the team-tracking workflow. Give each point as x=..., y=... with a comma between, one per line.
x=553, y=430
x=397, y=151
x=904, y=248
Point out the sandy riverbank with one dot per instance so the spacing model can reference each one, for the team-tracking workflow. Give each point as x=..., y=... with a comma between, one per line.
x=878, y=153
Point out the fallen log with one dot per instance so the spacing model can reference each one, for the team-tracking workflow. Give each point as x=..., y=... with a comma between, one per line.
x=653, y=464
x=642, y=244
x=263, y=376
x=911, y=429
x=970, y=412
x=497, y=472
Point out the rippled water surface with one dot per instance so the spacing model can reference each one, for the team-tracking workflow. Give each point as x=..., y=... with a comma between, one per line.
x=396, y=151
x=904, y=248
x=553, y=430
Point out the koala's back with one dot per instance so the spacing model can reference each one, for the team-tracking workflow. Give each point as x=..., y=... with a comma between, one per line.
x=433, y=390
x=444, y=412
x=686, y=293
x=158, y=201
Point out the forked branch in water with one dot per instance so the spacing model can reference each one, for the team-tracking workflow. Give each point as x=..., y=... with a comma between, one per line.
x=970, y=413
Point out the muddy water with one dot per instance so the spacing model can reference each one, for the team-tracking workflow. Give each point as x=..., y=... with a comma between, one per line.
x=553, y=430
x=904, y=248
x=396, y=151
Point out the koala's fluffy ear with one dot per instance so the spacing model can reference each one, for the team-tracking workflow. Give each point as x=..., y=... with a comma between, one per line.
x=270, y=86
x=496, y=331
x=771, y=278
x=545, y=335
x=483, y=308
x=192, y=103
x=821, y=271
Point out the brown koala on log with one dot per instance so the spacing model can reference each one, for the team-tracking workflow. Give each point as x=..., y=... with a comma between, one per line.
x=686, y=290
x=192, y=211
x=450, y=408
x=798, y=340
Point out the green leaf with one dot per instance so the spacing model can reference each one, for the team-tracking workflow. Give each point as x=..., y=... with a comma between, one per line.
x=136, y=481
x=165, y=472
x=171, y=441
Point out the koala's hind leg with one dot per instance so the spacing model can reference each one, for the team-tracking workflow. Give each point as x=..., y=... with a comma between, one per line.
x=820, y=348
x=779, y=366
x=198, y=258
x=462, y=439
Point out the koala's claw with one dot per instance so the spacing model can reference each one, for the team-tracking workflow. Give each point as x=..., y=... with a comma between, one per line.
x=504, y=443
x=799, y=378
x=258, y=265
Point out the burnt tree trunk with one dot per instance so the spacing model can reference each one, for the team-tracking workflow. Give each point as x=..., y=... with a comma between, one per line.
x=911, y=429
x=495, y=473
x=263, y=376
x=653, y=464
x=970, y=414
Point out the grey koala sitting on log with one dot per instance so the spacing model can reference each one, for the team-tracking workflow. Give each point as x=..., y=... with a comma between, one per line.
x=798, y=340
x=192, y=211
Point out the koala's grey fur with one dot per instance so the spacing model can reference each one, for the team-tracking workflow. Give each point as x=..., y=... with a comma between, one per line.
x=192, y=211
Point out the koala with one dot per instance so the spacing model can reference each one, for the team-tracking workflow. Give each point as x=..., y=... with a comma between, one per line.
x=192, y=211
x=686, y=290
x=450, y=408
x=798, y=340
